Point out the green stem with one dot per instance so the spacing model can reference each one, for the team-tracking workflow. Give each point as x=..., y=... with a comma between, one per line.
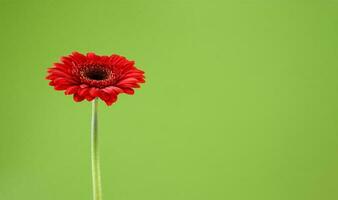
x=96, y=176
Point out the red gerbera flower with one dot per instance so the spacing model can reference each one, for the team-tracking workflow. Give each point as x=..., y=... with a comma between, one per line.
x=90, y=76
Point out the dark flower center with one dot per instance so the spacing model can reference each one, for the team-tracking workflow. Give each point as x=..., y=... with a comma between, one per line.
x=97, y=74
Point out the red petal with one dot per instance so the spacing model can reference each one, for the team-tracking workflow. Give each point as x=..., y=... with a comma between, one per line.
x=127, y=80
x=103, y=95
x=60, y=87
x=67, y=61
x=111, y=100
x=93, y=92
x=112, y=89
x=61, y=66
x=83, y=91
x=50, y=77
x=141, y=80
x=130, y=85
x=92, y=56
x=78, y=98
x=61, y=74
x=78, y=57
x=128, y=91
x=72, y=90
x=83, y=86
x=89, y=98
x=134, y=75
x=64, y=81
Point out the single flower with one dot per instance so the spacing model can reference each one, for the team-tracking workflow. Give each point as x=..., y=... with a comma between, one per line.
x=91, y=76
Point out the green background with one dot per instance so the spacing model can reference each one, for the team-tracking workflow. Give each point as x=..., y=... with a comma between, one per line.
x=240, y=102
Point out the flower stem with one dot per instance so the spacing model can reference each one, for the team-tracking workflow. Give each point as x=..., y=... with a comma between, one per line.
x=96, y=176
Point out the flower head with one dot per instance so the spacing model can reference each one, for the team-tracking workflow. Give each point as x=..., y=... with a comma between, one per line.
x=90, y=76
